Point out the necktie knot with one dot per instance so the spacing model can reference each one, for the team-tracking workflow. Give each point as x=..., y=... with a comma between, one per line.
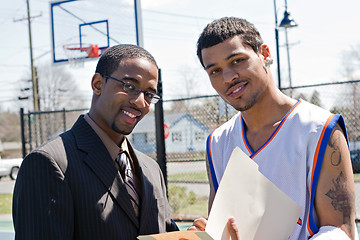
x=123, y=162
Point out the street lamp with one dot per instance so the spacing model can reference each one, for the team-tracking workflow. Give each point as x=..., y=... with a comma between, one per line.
x=286, y=22
x=277, y=47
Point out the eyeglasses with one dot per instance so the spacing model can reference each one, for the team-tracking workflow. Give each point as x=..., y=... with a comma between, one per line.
x=133, y=90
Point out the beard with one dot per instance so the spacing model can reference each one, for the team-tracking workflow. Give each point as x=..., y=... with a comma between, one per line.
x=249, y=104
x=242, y=104
x=120, y=130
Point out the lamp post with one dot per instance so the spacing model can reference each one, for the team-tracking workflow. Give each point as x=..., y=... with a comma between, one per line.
x=277, y=47
x=286, y=22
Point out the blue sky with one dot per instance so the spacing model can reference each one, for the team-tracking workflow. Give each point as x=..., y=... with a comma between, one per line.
x=171, y=29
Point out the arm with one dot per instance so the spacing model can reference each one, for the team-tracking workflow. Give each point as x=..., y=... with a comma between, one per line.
x=212, y=190
x=42, y=204
x=335, y=193
x=171, y=226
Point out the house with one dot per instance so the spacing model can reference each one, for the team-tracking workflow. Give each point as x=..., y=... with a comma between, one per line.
x=185, y=133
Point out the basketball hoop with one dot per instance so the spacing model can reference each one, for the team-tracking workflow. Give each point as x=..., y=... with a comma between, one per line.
x=78, y=52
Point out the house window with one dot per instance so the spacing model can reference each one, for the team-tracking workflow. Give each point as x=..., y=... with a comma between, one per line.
x=150, y=138
x=176, y=137
x=199, y=136
x=130, y=137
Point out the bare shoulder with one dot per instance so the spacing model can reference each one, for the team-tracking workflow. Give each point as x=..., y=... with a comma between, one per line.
x=335, y=193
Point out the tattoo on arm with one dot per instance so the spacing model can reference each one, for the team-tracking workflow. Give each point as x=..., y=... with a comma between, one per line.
x=334, y=144
x=341, y=197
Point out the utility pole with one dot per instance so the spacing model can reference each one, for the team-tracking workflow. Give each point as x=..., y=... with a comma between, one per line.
x=33, y=78
x=33, y=70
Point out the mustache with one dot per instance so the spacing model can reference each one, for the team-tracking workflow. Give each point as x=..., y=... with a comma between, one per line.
x=235, y=83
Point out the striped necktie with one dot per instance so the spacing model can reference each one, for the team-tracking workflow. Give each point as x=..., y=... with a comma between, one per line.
x=127, y=174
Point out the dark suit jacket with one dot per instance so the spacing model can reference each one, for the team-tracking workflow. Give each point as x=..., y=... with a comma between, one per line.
x=69, y=188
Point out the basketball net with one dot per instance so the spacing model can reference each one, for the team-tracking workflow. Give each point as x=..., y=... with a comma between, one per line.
x=77, y=53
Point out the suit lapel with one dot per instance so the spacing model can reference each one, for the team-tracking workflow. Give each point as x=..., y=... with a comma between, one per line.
x=147, y=192
x=148, y=217
x=100, y=162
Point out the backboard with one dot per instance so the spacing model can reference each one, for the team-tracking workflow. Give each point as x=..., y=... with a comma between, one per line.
x=82, y=29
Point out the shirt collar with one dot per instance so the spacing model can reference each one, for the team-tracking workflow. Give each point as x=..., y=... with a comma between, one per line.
x=110, y=145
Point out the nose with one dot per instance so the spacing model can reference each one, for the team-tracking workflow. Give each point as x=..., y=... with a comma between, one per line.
x=139, y=100
x=229, y=75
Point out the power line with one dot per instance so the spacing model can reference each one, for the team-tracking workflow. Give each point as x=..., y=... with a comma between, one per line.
x=12, y=65
x=178, y=15
x=12, y=14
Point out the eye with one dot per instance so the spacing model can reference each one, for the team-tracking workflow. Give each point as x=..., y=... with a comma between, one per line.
x=149, y=95
x=237, y=60
x=129, y=87
x=214, y=71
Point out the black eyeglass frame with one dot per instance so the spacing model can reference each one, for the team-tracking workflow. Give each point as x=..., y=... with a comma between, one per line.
x=154, y=97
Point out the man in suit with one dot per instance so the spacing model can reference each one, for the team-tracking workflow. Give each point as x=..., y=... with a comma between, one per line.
x=89, y=183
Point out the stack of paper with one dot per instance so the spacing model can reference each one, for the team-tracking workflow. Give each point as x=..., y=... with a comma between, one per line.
x=262, y=211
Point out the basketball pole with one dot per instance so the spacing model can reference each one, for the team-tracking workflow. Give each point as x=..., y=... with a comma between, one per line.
x=159, y=112
x=138, y=24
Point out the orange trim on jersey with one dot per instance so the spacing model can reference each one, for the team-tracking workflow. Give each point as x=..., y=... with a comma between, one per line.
x=299, y=221
x=243, y=135
x=277, y=129
x=209, y=145
x=314, y=164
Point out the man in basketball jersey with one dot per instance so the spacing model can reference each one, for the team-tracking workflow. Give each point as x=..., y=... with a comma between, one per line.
x=298, y=146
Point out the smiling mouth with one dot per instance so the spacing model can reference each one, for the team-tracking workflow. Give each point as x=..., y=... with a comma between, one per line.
x=129, y=114
x=236, y=90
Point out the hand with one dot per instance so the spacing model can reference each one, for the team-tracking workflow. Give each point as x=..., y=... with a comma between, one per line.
x=232, y=228
x=199, y=224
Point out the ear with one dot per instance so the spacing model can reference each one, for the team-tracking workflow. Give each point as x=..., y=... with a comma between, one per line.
x=97, y=84
x=265, y=51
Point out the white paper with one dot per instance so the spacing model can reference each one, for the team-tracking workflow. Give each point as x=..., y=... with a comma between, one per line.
x=261, y=210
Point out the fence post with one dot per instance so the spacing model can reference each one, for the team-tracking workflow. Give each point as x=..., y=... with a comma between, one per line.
x=22, y=124
x=30, y=137
x=159, y=128
x=64, y=119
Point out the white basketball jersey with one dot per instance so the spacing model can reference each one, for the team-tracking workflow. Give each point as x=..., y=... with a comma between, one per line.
x=291, y=158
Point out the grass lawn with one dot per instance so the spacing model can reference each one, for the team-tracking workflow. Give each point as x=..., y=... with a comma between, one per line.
x=199, y=208
x=190, y=176
x=5, y=203
x=357, y=176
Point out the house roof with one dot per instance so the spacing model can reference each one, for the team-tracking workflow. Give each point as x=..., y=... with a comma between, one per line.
x=147, y=124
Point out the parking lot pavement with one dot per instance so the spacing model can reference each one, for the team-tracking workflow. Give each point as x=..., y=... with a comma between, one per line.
x=185, y=167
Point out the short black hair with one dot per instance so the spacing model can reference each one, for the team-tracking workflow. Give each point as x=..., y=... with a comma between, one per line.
x=110, y=59
x=224, y=28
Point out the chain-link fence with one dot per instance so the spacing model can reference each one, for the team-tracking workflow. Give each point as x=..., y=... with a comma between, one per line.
x=187, y=123
x=39, y=127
